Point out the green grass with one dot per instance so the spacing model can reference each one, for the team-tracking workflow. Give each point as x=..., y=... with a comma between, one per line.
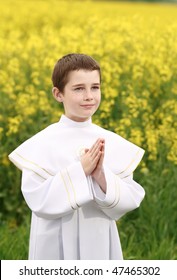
x=150, y=231
x=14, y=241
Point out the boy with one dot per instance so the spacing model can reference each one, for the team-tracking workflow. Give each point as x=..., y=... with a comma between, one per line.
x=76, y=176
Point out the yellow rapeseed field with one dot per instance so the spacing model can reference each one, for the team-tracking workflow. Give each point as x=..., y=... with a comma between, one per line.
x=136, y=46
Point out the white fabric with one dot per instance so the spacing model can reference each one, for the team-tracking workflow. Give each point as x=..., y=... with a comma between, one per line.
x=71, y=217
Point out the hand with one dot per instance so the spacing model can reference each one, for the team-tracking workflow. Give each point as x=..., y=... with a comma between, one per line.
x=98, y=172
x=92, y=156
x=92, y=162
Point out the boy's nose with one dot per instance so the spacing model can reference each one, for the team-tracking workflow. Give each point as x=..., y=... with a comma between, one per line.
x=88, y=95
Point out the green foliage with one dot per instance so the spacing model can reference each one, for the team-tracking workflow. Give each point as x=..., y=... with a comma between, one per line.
x=148, y=232
x=15, y=240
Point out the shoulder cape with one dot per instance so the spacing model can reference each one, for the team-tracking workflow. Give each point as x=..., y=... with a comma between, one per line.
x=39, y=153
x=123, y=156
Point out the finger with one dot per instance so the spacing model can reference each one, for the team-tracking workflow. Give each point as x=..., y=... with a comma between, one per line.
x=100, y=162
x=94, y=150
x=102, y=147
x=94, y=146
x=97, y=142
x=96, y=159
x=97, y=146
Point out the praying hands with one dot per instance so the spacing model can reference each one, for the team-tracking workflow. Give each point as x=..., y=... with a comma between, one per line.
x=92, y=163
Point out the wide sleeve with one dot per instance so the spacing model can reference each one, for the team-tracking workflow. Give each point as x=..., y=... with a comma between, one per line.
x=57, y=195
x=122, y=195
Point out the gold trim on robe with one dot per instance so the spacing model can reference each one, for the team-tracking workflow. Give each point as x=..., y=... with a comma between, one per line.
x=132, y=165
x=22, y=162
x=116, y=199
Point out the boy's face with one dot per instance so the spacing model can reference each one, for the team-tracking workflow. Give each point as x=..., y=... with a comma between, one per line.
x=82, y=95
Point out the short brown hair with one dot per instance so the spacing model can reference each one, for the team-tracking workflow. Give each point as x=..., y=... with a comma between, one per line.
x=72, y=62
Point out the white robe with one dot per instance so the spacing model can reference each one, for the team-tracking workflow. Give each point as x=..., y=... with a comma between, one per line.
x=72, y=218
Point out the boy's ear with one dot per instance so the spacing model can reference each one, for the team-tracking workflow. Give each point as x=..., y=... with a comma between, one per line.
x=57, y=94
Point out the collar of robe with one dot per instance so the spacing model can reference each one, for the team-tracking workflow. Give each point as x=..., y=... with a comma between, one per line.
x=65, y=121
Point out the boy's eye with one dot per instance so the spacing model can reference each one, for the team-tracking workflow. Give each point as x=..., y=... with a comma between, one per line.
x=79, y=89
x=95, y=87
x=82, y=89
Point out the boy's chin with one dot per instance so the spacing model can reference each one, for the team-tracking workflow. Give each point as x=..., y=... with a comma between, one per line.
x=84, y=118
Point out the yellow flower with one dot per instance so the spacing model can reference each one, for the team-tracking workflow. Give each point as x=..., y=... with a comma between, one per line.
x=5, y=160
x=1, y=132
x=139, y=84
x=13, y=125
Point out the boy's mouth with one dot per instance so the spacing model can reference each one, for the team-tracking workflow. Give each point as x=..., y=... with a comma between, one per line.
x=87, y=105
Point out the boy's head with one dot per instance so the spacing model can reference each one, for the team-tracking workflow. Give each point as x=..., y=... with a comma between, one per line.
x=76, y=80
x=72, y=62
